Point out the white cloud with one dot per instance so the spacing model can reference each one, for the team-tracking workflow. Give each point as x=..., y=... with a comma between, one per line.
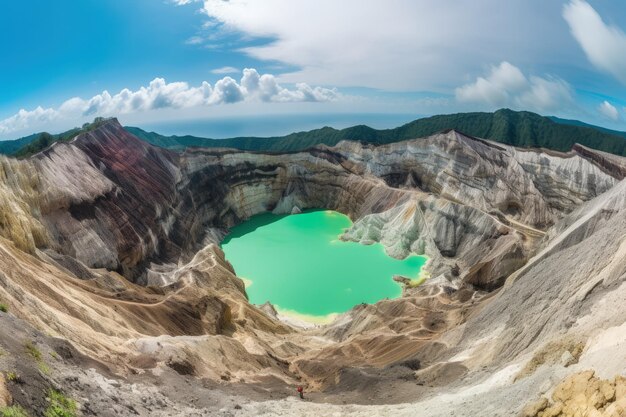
x=604, y=45
x=394, y=45
x=545, y=94
x=194, y=40
x=266, y=88
x=507, y=86
x=225, y=70
x=227, y=91
x=160, y=94
x=608, y=110
x=24, y=119
x=496, y=88
x=183, y=2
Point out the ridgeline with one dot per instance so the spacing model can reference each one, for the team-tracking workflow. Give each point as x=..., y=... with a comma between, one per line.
x=522, y=129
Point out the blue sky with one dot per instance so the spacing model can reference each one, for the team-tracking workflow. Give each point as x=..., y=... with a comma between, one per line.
x=153, y=62
x=67, y=48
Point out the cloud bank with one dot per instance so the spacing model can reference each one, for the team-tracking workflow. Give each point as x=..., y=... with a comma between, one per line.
x=160, y=94
x=397, y=45
x=604, y=45
x=507, y=86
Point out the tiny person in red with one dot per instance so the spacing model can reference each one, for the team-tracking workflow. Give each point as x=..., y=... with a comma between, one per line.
x=301, y=392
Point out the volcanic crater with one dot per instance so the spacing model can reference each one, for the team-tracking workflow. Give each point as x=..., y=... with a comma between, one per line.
x=110, y=251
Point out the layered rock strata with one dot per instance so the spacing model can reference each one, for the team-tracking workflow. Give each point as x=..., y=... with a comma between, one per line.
x=112, y=244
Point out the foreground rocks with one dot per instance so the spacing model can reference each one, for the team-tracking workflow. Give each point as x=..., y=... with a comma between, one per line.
x=583, y=394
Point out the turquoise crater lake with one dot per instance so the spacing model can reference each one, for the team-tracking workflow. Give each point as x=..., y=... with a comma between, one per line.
x=299, y=264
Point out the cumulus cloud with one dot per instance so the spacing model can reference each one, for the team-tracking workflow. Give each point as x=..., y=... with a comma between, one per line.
x=496, y=88
x=160, y=94
x=608, y=110
x=604, y=45
x=24, y=119
x=507, y=86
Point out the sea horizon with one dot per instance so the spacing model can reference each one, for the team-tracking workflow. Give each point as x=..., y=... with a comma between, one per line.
x=273, y=125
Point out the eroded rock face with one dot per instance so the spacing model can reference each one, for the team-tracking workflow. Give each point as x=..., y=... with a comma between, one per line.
x=112, y=244
x=110, y=200
x=563, y=287
x=448, y=196
x=99, y=199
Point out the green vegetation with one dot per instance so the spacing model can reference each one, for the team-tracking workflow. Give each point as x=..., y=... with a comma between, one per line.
x=9, y=147
x=4, y=308
x=43, y=368
x=13, y=377
x=33, y=144
x=579, y=123
x=523, y=129
x=32, y=350
x=13, y=411
x=60, y=405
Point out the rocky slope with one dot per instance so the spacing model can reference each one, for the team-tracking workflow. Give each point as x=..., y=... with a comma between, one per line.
x=111, y=244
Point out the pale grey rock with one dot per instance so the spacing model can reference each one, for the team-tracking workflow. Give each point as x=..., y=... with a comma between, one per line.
x=567, y=359
x=269, y=309
x=572, y=288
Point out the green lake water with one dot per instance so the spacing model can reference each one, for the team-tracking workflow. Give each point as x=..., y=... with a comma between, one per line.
x=298, y=263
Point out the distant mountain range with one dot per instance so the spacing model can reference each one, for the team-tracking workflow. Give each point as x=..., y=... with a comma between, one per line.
x=522, y=129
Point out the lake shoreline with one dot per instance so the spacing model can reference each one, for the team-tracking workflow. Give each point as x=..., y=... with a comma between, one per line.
x=299, y=264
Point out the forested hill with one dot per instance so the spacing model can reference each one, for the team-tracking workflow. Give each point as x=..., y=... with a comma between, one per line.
x=30, y=145
x=523, y=129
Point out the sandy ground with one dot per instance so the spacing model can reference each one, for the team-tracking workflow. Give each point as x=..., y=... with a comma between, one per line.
x=167, y=393
x=494, y=397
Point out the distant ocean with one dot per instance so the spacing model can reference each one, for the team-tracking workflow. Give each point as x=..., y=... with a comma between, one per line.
x=275, y=125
